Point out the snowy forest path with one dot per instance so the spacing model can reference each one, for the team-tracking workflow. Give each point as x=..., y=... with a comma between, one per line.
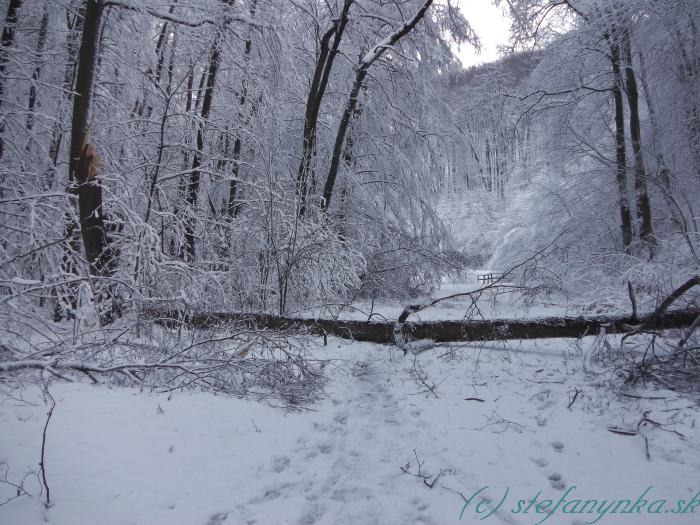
x=523, y=417
x=347, y=464
x=392, y=426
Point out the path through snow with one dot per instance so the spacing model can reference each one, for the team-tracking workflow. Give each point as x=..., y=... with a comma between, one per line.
x=500, y=420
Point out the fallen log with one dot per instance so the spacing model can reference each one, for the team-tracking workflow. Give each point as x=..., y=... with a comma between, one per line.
x=439, y=331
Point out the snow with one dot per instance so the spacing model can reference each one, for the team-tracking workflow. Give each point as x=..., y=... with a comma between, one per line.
x=504, y=302
x=23, y=282
x=515, y=166
x=490, y=416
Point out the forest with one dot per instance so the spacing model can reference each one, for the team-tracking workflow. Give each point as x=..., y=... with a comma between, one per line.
x=306, y=230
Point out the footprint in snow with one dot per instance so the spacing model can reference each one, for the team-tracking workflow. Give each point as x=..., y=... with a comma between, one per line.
x=351, y=493
x=541, y=462
x=558, y=446
x=312, y=515
x=272, y=494
x=419, y=504
x=325, y=447
x=556, y=481
x=218, y=519
x=341, y=418
x=280, y=463
x=360, y=370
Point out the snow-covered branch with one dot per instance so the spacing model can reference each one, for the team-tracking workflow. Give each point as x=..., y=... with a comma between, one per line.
x=189, y=22
x=373, y=54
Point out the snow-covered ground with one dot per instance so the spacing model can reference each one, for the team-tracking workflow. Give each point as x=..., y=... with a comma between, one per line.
x=503, y=301
x=496, y=416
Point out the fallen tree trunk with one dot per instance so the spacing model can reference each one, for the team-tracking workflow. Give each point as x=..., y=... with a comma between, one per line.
x=440, y=331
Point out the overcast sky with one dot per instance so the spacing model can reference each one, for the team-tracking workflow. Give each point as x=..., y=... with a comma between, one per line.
x=490, y=24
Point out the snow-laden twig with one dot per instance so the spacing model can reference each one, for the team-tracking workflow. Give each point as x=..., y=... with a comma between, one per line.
x=42, y=461
x=189, y=22
x=373, y=54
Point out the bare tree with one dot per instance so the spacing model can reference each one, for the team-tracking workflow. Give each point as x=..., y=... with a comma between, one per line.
x=83, y=160
x=644, y=216
x=192, y=191
x=8, y=37
x=620, y=148
x=324, y=64
x=360, y=73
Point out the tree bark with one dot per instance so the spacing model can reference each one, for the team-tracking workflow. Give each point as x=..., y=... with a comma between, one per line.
x=361, y=73
x=36, y=74
x=440, y=331
x=233, y=201
x=144, y=106
x=195, y=175
x=620, y=155
x=643, y=205
x=8, y=37
x=677, y=217
x=324, y=65
x=82, y=179
x=233, y=204
x=75, y=28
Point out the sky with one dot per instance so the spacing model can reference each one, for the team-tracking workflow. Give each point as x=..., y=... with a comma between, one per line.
x=492, y=26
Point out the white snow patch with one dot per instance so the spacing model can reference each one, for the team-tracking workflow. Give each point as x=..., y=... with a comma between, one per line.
x=500, y=419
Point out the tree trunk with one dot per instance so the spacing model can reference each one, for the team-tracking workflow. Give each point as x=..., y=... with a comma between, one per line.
x=82, y=179
x=664, y=172
x=144, y=107
x=439, y=331
x=677, y=217
x=324, y=65
x=233, y=203
x=195, y=175
x=340, y=136
x=363, y=67
x=75, y=28
x=643, y=205
x=36, y=74
x=620, y=155
x=177, y=221
x=8, y=37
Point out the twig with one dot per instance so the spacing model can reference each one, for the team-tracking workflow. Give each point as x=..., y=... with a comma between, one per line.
x=406, y=468
x=571, y=403
x=422, y=378
x=42, y=463
x=633, y=299
x=659, y=426
x=435, y=479
x=646, y=447
x=673, y=297
x=623, y=432
x=633, y=396
x=19, y=487
x=689, y=333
